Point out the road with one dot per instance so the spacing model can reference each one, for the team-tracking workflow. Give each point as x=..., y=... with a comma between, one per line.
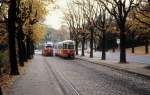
x=58, y=76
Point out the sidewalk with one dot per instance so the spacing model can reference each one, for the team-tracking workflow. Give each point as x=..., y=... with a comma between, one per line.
x=132, y=58
x=136, y=68
x=38, y=80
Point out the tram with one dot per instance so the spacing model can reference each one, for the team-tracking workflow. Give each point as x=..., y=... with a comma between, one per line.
x=65, y=49
x=48, y=49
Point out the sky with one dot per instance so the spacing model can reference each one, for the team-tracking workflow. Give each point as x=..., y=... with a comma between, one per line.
x=55, y=17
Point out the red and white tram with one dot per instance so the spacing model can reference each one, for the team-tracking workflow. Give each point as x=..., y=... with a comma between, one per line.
x=48, y=49
x=65, y=49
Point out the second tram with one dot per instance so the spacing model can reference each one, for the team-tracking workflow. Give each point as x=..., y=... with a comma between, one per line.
x=48, y=49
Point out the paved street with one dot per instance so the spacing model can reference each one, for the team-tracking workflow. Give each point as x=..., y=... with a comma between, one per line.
x=57, y=76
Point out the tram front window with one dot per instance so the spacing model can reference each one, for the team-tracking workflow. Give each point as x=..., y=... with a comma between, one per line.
x=64, y=46
x=70, y=46
x=49, y=46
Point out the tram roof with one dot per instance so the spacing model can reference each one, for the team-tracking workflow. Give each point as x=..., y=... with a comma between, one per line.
x=66, y=41
x=48, y=43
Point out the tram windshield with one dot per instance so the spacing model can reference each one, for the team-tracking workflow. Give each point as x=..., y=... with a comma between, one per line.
x=70, y=46
x=49, y=46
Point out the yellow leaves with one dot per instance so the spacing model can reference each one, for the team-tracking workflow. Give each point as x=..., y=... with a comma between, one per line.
x=39, y=30
x=3, y=39
x=36, y=12
x=144, y=17
x=39, y=10
x=114, y=29
x=32, y=13
x=137, y=20
x=3, y=11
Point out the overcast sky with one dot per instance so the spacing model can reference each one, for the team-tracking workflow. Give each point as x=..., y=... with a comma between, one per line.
x=55, y=17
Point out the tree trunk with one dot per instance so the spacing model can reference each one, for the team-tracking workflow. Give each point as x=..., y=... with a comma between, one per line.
x=91, y=43
x=95, y=45
x=12, y=40
x=70, y=34
x=25, y=58
x=28, y=47
x=122, y=44
x=104, y=46
x=83, y=44
x=146, y=46
x=76, y=47
x=99, y=43
x=86, y=44
x=31, y=49
x=113, y=49
x=133, y=43
x=1, y=93
x=114, y=46
x=20, y=47
x=20, y=53
x=133, y=50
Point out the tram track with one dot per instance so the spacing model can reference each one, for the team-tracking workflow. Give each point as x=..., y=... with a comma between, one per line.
x=65, y=85
x=77, y=77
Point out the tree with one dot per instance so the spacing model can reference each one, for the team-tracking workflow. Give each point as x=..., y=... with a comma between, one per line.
x=132, y=29
x=18, y=18
x=89, y=13
x=73, y=19
x=3, y=26
x=3, y=11
x=12, y=32
x=138, y=28
x=142, y=13
x=39, y=32
x=1, y=91
x=7, y=21
x=103, y=23
x=84, y=37
x=82, y=24
x=22, y=16
x=120, y=9
x=29, y=13
x=38, y=12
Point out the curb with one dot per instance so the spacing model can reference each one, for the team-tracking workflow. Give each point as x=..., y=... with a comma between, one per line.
x=114, y=67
